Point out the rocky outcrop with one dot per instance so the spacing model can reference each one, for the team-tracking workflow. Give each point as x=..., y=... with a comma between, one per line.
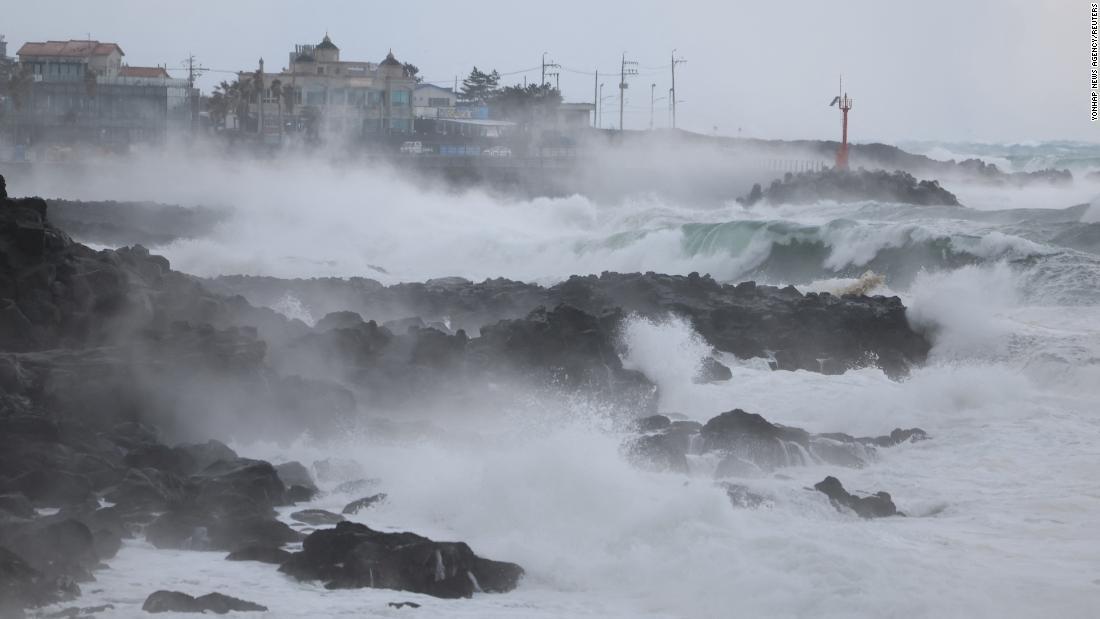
x=878, y=505
x=177, y=602
x=712, y=370
x=359, y=505
x=228, y=505
x=851, y=186
x=317, y=517
x=452, y=301
x=116, y=224
x=814, y=332
x=564, y=349
x=353, y=556
x=744, y=444
x=23, y=586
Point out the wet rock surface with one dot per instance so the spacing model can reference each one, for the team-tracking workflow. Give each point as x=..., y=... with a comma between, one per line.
x=877, y=505
x=747, y=445
x=317, y=517
x=852, y=186
x=815, y=332
x=105, y=356
x=177, y=602
x=359, y=505
x=109, y=361
x=352, y=555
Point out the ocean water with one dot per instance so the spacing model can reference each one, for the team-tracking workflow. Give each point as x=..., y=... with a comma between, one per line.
x=1003, y=503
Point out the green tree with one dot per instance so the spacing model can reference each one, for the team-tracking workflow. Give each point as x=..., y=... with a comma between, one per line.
x=524, y=105
x=413, y=71
x=218, y=104
x=20, y=84
x=479, y=86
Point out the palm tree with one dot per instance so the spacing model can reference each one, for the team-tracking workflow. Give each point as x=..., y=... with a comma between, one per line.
x=277, y=94
x=258, y=91
x=220, y=103
x=243, y=92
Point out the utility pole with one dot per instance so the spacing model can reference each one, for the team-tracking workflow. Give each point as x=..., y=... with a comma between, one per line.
x=623, y=73
x=652, y=100
x=596, y=99
x=546, y=65
x=599, y=109
x=675, y=61
x=193, y=71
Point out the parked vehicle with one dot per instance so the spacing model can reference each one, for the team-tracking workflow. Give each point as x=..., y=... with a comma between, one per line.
x=498, y=151
x=459, y=150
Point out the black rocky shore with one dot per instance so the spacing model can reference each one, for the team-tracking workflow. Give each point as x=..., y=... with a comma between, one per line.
x=851, y=186
x=111, y=365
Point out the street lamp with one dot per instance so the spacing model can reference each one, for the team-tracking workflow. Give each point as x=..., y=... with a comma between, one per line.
x=599, y=111
x=671, y=91
x=658, y=99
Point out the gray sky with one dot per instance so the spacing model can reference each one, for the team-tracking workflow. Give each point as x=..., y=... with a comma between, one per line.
x=962, y=70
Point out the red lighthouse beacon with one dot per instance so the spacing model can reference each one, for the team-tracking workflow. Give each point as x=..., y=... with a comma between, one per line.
x=845, y=103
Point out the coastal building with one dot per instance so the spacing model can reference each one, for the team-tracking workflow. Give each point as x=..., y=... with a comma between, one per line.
x=328, y=97
x=7, y=70
x=80, y=92
x=431, y=101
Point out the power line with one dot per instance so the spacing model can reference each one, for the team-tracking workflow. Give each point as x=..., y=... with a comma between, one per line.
x=193, y=71
x=675, y=61
x=546, y=65
x=624, y=71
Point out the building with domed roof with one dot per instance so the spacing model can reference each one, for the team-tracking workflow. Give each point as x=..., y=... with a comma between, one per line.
x=331, y=98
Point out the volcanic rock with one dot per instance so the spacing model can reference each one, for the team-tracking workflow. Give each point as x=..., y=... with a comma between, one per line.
x=852, y=186
x=364, y=503
x=749, y=445
x=712, y=370
x=22, y=586
x=175, y=601
x=295, y=474
x=317, y=517
x=353, y=556
x=877, y=505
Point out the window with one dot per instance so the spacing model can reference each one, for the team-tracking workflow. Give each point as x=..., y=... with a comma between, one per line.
x=336, y=96
x=315, y=97
x=439, y=102
x=357, y=97
x=374, y=98
x=320, y=70
x=399, y=97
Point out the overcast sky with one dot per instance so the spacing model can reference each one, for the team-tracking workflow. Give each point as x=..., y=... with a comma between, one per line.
x=961, y=70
